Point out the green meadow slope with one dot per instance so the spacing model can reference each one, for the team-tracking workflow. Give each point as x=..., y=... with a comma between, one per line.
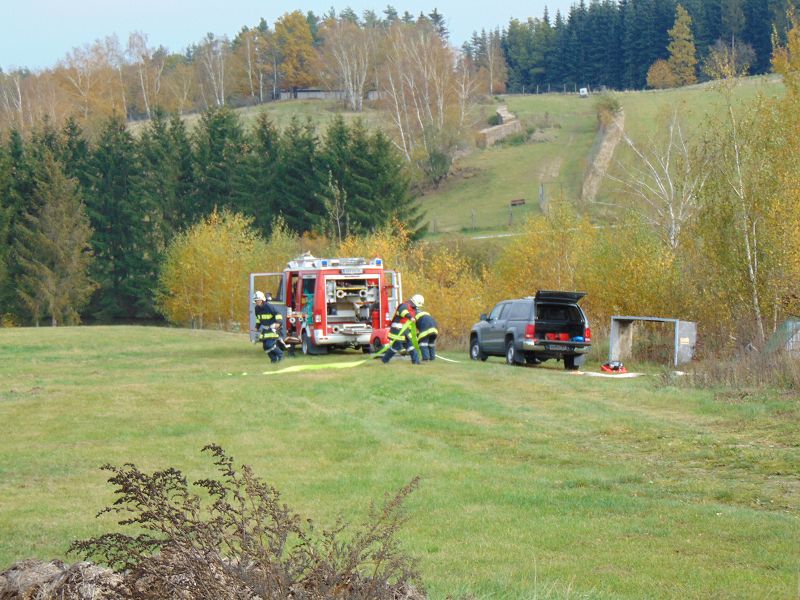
x=536, y=483
x=560, y=153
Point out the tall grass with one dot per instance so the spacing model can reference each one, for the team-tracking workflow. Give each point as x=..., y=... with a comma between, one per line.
x=747, y=371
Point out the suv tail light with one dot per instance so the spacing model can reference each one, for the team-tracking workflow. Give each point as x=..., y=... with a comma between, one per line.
x=530, y=331
x=587, y=335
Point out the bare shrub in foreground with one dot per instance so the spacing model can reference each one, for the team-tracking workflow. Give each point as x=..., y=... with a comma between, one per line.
x=246, y=543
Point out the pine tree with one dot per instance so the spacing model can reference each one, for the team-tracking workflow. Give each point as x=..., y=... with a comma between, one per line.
x=391, y=191
x=219, y=150
x=683, y=56
x=758, y=32
x=556, y=67
x=181, y=147
x=359, y=180
x=53, y=249
x=74, y=154
x=159, y=181
x=5, y=227
x=125, y=264
x=336, y=160
x=254, y=183
x=17, y=187
x=300, y=180
x=516, y=48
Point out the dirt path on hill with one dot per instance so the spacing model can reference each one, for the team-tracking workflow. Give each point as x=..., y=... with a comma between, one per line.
x=602, y=160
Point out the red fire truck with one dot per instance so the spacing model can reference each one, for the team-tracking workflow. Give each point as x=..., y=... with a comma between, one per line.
x=332, y=302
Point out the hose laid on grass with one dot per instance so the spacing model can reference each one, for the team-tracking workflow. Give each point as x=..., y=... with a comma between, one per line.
x=317, y=367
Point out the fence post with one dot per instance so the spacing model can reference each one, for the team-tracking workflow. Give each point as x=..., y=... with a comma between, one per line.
x=510, y=215
x=473, y=219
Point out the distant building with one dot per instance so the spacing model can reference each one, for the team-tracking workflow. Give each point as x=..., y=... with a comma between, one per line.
x=319, y=94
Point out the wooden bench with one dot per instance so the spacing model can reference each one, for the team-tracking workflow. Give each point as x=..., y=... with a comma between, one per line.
x=518, y=202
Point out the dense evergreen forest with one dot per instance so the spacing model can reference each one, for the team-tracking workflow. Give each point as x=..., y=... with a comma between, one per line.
x=614, y=43
x=78, y=217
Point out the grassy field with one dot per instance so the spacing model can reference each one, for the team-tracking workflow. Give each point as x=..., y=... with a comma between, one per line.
x=536, y=483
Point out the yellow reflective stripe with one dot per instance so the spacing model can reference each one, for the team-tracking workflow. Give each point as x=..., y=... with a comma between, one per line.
x=394, y=337
x=278, y=317
x=428, y=332
x=422, y=313
x=404, y=313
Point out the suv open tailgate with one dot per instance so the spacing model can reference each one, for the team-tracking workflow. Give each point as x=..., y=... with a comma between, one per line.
x=551, y=296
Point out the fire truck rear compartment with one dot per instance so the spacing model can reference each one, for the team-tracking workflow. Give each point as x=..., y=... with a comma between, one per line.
x=350, y=302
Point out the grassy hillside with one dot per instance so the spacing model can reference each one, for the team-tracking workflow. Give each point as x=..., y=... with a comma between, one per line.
x=535, y=482
x=561, y=151
x=476, y=197
x=485, y=181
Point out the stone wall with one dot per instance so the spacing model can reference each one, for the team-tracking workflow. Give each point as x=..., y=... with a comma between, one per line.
x=491, y=135
x=509, y=125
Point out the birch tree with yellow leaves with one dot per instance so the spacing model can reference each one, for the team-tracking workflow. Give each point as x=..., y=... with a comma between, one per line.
x=204, y=278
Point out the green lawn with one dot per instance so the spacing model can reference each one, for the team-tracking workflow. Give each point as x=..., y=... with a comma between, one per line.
x=535, y=483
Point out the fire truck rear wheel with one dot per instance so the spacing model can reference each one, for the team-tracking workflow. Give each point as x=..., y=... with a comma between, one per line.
x=376, y=345
x=309, y=347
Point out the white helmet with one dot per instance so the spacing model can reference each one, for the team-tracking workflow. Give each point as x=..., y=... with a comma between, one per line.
x=259, y=296
x=417, y=300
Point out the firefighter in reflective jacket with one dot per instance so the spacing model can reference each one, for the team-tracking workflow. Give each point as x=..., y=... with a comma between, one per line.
x=268, y=321
x=399, y=334
x=426, y=334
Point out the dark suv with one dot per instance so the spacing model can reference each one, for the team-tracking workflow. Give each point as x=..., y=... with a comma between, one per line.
x=534, y=329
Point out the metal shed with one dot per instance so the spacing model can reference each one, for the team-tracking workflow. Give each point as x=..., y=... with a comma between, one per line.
x=621, y=339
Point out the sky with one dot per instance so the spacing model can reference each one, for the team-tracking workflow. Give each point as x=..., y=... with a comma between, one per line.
x=38, y=33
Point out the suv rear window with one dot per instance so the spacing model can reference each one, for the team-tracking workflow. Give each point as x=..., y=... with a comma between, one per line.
x=520, y=311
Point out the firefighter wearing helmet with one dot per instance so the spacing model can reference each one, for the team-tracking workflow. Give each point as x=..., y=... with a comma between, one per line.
x=427, y=333
x=268, y=323
x=399, y=334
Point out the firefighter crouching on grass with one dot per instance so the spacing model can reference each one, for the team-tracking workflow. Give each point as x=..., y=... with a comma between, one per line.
x=426, y=334
x=268, y=321
x=399, y=334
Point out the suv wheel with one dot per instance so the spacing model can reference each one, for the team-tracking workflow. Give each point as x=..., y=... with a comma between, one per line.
x=511, y=353
x=475, y=352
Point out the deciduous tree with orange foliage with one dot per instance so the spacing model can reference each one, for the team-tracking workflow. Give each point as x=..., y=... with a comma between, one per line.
x=299, y=64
